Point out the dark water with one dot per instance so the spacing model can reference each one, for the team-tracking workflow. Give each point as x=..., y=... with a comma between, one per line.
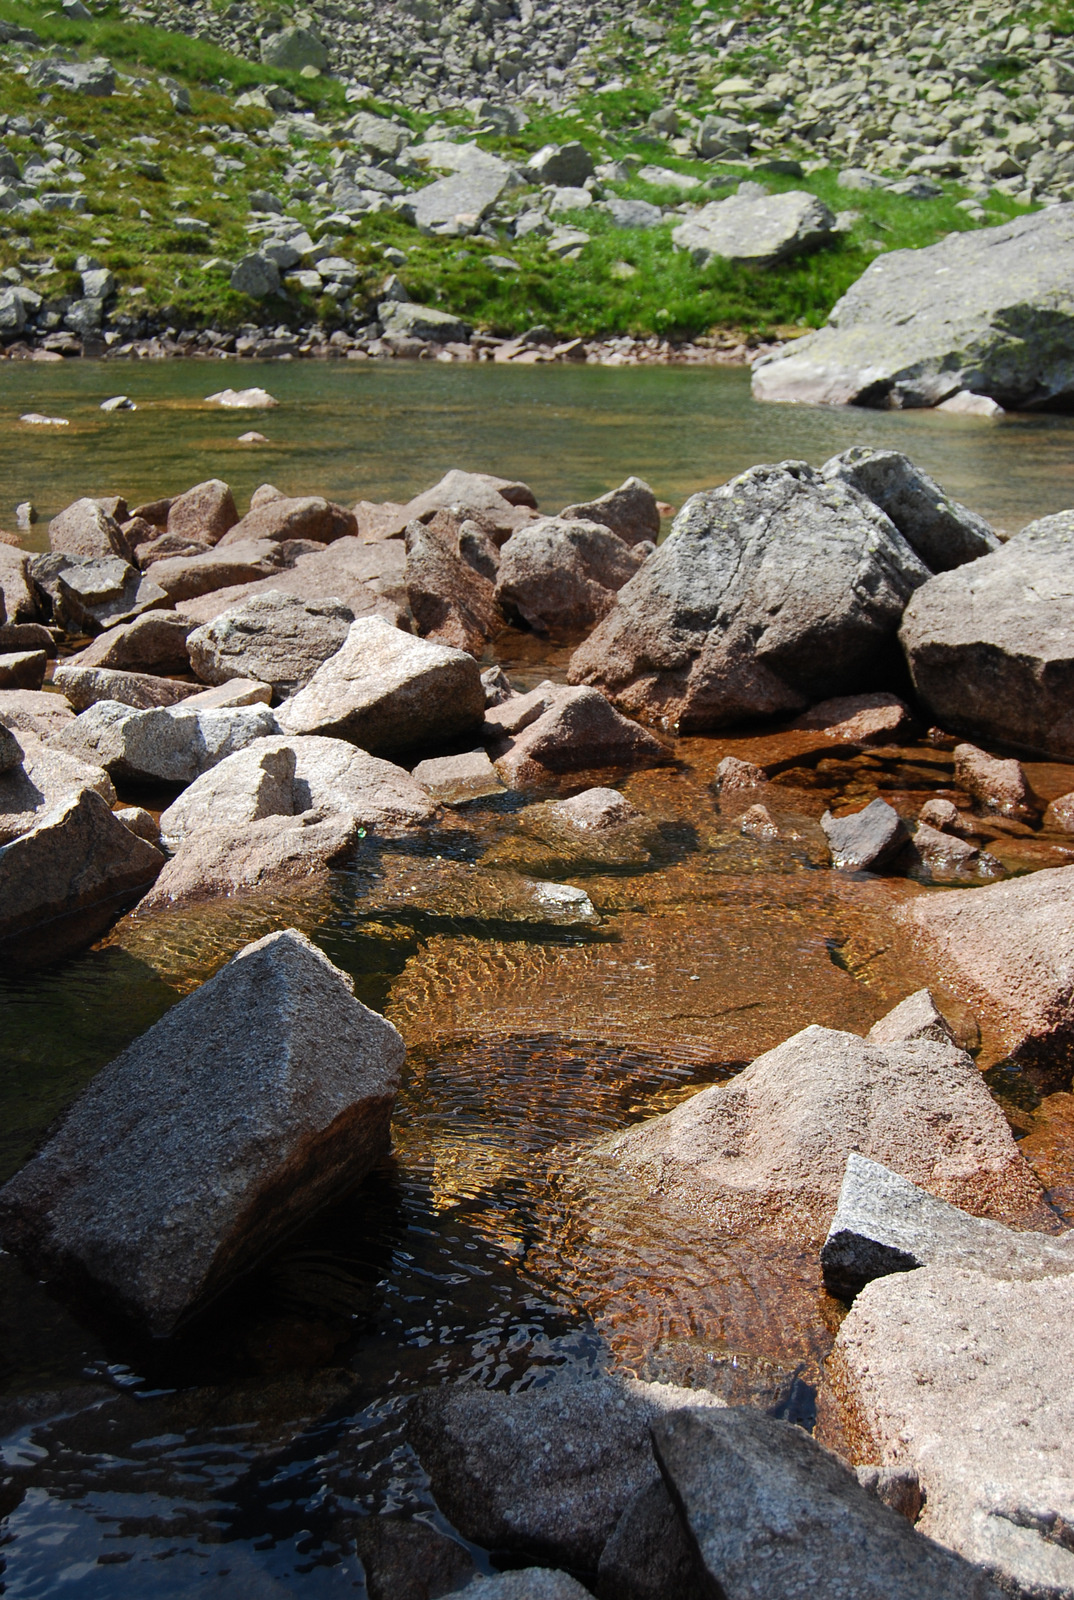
x=385, y=431
x=243, y=1457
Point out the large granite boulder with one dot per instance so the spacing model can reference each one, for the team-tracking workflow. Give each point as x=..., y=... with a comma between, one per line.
x=774, y=1516
x=168, y=744
x=386, y=690
x=403, y=319
x=756, y=230
x=563, y=572
x=769, y=1149
x=155, y=642
x=450, y=601
x=963, y=1379
x=84, y=529
x=184, y=577
x=293, y=48
x=1009, y=947
x=631, y=511
x=274, y=637
x=944, y=533
x=991, y=645
x=288, y=776
x=773, y=591
x=250, y=1104
x=64, y=880
x=88, y=594
x=203, y=513
x=459, y=203
x=990, y=311
x=251, y=858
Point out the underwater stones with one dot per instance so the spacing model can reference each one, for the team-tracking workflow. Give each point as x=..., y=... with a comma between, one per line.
x=995, y=784
x=597, y=810
x=208, y=1139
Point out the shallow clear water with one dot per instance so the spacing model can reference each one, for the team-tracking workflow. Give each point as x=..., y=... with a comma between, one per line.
x=242, y=1457
x=388, y=430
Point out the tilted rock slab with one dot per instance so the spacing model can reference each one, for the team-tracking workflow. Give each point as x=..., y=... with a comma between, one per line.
x=991, y=645
x=252, y=1103
x=386, y=690
x=990, y=311
x=944, y=533
x=39, y=780
x=965, y=1379
x=450, y=601
x=774, y=591
x=367, y=578
x=774, y=1516
x=78, y=861
x=253, y=857
x=769, y=1149
x=85, y=686
x=1009, y=947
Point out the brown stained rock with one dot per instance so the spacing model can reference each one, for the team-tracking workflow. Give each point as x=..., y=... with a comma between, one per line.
x=454, y=780
x=945, y=817
x=450, y=601
x=77, y=860
x=17, y=597
x=544, y=1474
x=305, y=517
x=859, y=718
x=563, y=574
x=225, y=862
x=34, y=711
x=1009, y=949
x=42, y=779
x=250, y=1104
x=769, y=1149
x=84, y=686
x=22, y=669
x=154, y=512
x=140, y=822
x=1059, y=816
x=963, y=1378
x=650, y=1555
x=376, y=521
x=287, y=776
x=236, y=692
x=15, y=636
x=631, y=511
x=155, y=643
x=276, y=638
x=772, y=591
x=406, y=1559
x=185, y=577
x=946, y=855
x=387, y=691
x=497, y=504
x=757, y=823
x=596, y=810
x=774, y=1516
x=162, y=546
x=369, y=578
x=85, y=530
x=205, y=512
x=579, y=730
x=733, y=775
x=996, y=784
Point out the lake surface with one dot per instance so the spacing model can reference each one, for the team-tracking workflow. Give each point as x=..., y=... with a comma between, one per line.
x=244, y=1457
x=377, y=431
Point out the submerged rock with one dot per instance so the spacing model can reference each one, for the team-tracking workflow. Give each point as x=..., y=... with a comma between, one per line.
x=775, y=1516
x=962, y=1378
x=996, y=784
x=990, y=311
x=1009, y=947
x=209, y=1138
x=773, y=591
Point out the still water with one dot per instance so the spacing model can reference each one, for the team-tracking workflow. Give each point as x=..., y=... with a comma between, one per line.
x=245, y=1457
x=369, y=431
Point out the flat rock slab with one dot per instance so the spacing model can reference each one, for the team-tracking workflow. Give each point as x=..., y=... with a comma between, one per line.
x=991, y=645
x=77, y=862
x=386, y=690
x=454, y=780
x=757, y=231
x=85, y=686
x=963, y=1379
x=990, y=311
x=773, y=591
x=208, y=1139
x=366, y=578
x=35, y=711
x=769, y=1149
x=884, y=1223
x=253, y=858
x=1009, y=947
x=155, y=642
x=775, y=1516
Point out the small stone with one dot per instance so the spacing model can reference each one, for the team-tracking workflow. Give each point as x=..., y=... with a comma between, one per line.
x=454, y=780
x=597, y=810
x=242, y=399
x=119, y=402
x=996, y=784
x=864, y=841
x=733, y=774
x=23, y=669
x=757, y=823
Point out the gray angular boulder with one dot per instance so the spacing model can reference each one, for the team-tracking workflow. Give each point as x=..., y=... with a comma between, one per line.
x=256, y=275
x=525, y=1583
x=756, y=231
x=168, y=744
x=944, y=533
x=275, y=637
x=962, y=1378
x=558, y=729
x=252, y=1103
x=884, y=1223
x=68, y=877
x=990, y=646
x=460, y=202
x=990, y=311
x=386, y=690
x=866, y=840
x=405, y=320
x=563, y=573
x=294, y=48
x=631, y=511
x=776, y=590
x=774, y=1516
x=90, y=594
